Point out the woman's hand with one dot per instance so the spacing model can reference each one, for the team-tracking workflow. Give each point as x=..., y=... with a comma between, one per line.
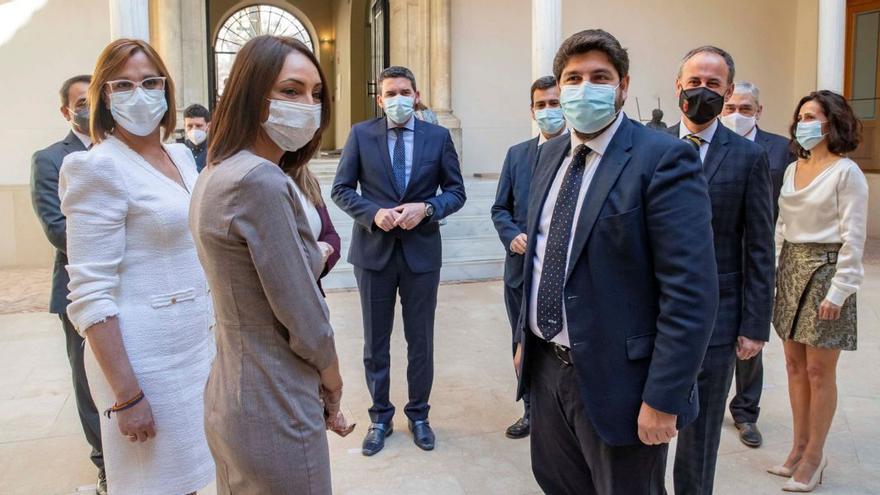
x=137, y=423
x=829, y=311
x=326, y=251
x=334, y=420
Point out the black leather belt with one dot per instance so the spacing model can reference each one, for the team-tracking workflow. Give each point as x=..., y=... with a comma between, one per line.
x=562, y=353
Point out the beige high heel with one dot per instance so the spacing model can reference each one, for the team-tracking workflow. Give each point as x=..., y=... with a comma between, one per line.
x=782, y=470
x=793, y=486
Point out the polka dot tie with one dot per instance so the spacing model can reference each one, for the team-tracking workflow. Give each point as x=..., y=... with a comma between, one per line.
x=398, y=165
x=556, y=251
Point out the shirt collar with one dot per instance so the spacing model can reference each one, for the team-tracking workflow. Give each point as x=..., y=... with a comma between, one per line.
x=86, y=140
x=752, y=134
x=542, y=139
x=706, y=134
x=410, y=124
x=599, y=143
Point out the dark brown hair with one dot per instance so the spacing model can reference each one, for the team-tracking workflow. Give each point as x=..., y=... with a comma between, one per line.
x=64, y=92
x=587, y=41
x=111, y=61
x=240, y=113
x=843, y=128
x=542, y=83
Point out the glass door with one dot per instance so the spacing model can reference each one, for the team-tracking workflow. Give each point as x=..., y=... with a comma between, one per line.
x=378, y=50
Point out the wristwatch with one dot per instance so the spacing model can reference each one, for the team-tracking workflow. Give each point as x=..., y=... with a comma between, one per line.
x=429, y=210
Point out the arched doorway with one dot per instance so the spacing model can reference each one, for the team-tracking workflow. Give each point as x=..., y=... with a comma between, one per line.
x=244, y=24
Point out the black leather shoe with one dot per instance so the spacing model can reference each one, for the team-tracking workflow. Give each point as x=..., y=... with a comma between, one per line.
x=101, y=488
x=423, y=435
x=520, y=429
x=375, y=439
x=749, y=434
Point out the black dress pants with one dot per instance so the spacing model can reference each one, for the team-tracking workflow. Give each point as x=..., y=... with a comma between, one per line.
x=513, y=302
x=418, y=300
x=745, y=405
x=85, y=406
x=568, y=456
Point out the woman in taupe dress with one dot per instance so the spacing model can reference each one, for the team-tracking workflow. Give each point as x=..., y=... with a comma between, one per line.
x=820, y=237
x=276, y=376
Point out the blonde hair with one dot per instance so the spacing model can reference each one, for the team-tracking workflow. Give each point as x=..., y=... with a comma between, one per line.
x=111, y=61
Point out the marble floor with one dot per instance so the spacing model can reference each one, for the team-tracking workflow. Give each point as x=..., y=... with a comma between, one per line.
x=42, y=450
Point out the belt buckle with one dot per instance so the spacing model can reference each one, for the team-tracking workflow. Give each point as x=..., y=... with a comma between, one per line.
x=832, y=257
x=562, y=354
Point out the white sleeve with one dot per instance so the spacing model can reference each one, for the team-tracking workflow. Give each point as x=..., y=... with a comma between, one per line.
x=780, y=238
x=852, y=212
x=95, y=201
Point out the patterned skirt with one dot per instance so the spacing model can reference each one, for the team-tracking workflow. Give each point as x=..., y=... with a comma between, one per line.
x=802, y=282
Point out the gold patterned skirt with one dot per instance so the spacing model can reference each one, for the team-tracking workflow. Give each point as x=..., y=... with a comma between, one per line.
x=802, y=282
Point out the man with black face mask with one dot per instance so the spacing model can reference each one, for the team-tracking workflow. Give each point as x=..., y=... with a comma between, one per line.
x=45, y=166
x=740, y=188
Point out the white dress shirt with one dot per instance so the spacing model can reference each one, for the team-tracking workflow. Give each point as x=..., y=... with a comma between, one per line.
x=598, y=144
x=831, y=209
x=84, y=138
x=542, y=139
x=752, y=134
x=310, y=210
x=706, y=134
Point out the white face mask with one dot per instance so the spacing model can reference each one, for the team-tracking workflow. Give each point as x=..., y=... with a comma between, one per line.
x=138, y=111
x=196, y=136
x=739, y=123
x=292, y=125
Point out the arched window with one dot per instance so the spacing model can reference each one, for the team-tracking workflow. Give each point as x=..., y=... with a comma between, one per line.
x=248, y=23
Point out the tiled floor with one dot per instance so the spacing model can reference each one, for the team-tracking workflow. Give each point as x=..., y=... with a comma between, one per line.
x=42, y=450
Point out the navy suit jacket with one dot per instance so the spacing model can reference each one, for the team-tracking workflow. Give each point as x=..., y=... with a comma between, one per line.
x=641, y=290
x=365, y=162
x=780, y=157
x=45, y=165
x=742, y=222
x=509, y=213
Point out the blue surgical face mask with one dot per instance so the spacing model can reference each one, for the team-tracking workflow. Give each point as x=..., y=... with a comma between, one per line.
x=809, y=134
x=399, y=108
x=550, y=120
x=589, y=107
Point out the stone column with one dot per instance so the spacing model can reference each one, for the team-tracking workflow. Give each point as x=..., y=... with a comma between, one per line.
x=832, y=45
x=130, y=19
x=546, y=35
x=179, y=35
x=441, y=76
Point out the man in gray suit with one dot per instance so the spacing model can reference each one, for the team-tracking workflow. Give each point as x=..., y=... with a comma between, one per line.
x=45, y=166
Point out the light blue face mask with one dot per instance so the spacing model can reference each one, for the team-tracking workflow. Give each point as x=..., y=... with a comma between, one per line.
x=589, y=107
x=399, y=108
x=809, y=134
x=550, y=120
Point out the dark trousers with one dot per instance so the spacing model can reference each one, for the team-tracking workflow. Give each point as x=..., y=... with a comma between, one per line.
x=418, y=300
x=85, y=406
x=697, y=450
x=513, y=301
x=744, y=407
x=568, y=456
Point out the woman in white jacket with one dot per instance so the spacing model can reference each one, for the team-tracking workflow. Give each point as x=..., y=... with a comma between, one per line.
x=138, y=294
x=820, y=237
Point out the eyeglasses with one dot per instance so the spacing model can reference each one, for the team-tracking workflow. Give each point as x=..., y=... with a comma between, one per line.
x=123, y=85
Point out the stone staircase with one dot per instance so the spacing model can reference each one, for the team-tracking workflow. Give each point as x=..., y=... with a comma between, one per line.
x=471, y=249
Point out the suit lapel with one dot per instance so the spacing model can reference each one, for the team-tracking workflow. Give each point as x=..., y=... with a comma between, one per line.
x=552, y=154
x=380, y=133
x=609, y=168
x=72, y=143
x=532, y=154
x=418, y=146
x=716, y=153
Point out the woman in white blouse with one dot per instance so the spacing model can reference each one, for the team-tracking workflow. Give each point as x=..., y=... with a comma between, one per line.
x=138, y=293
x=820, y=237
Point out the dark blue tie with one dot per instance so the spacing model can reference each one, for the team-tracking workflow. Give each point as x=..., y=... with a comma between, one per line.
x=556, y=250
x=398, y=165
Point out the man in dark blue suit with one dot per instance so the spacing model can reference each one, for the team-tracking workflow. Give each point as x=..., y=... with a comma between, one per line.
x=741, y=114
x=742, y=223
x=399, y=163
x=511, y=207
x=620, y=288
x=45, y=166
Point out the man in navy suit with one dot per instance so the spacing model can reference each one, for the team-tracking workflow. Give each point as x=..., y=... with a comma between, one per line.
x=741, y=114
x=742, y=222
x=44, y=195
x=399, y=163
x=511, y=207
x=620, y=288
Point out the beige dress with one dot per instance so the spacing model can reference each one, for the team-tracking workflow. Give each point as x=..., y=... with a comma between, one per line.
x=263, y=416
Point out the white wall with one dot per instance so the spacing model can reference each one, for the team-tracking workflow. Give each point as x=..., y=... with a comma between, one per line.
x=61, y=39
x=773, y=46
